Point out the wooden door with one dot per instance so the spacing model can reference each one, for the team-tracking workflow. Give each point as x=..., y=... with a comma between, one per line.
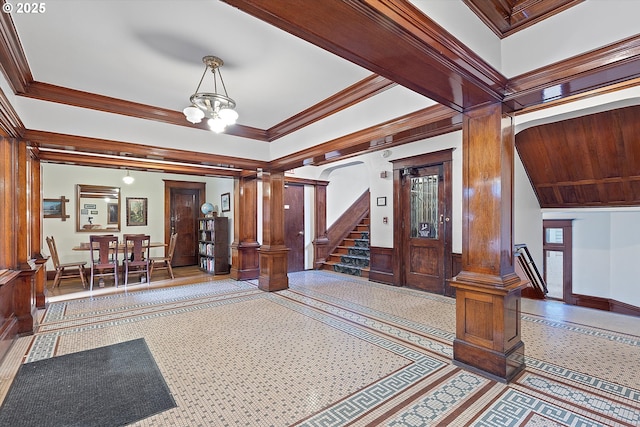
x=182, y=210
x=424, y=216
x=294, y=226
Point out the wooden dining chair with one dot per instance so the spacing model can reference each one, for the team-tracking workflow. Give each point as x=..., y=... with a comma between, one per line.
x=104, y=257
x=136, y=255
x=164, y=262
x=66, y=270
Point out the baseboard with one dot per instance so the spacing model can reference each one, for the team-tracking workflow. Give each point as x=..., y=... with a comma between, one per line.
x=605, y=304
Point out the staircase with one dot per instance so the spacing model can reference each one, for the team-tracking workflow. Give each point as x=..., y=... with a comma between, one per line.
x=352, y=255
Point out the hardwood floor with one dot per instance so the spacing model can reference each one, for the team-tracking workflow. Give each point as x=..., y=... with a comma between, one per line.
x=72, y=288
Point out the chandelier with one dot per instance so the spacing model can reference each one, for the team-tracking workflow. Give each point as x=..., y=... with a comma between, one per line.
x=220, y=109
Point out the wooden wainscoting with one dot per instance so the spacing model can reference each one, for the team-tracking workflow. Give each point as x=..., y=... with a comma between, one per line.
x=605, y=304
x=381, y=265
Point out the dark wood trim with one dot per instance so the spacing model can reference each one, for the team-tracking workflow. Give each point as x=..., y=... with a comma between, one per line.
x=82, y=159
x=612, y=64
x=13, y=60
x=590, y=301
x=427, y=58
x=77, y=98
x=623, y=308
x=422, y=124
x=381, y=265
x=70, y=143
x=294, y=180
x=506, y=18
x=352, y=95
x=567, y=258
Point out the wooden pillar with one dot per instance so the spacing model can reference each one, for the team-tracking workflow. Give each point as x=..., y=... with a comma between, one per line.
x=18, y=308
x=273, y=252
x=35, y=221
x=488, y=289
x=321, y=242
x=244, y=249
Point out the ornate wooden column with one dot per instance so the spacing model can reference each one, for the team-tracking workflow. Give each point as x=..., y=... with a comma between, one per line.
x=321, y=242
x=244, y=249
x=17, y=289
x=273, y=252
x=487, y=288
x=35, y=221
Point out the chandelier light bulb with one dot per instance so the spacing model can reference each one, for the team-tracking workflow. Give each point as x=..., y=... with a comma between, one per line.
x=193, y=114
x=216, y=124
x=228, y=116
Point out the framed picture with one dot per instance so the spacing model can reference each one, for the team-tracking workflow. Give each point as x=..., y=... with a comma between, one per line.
x=136, y=211
x=226, y=202
x=94, y=212
x=89, y=206
x=55, y=208
x=112, y=213
x=381, y=201
x=52, y=208
x=84, y=211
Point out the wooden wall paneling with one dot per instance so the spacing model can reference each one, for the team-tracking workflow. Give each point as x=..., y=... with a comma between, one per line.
x=321, y=240
x=9, y=275
x=244, y=249
x=488, y=289
x=381, y=265
x=609, y=168
x=273, y=252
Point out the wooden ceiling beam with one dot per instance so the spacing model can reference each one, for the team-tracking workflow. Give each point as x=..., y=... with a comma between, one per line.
x=137, y=152
x=426, y=123
x=390, y=38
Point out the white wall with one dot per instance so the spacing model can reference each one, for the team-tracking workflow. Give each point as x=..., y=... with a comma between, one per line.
x=527, y=216
x=624, y=250
x=60, y=180
x=606, y=244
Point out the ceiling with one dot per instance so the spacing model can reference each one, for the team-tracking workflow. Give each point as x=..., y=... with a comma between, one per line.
x=314, y=81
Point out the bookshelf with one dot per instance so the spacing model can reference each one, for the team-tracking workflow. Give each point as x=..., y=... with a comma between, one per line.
x=213, y=245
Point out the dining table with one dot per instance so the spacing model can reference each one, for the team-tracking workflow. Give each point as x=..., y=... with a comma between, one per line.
x=85, y=246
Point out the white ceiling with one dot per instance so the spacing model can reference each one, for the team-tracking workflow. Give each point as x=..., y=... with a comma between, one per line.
x=150, y=52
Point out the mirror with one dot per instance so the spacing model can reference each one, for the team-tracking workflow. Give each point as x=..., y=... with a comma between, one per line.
x=97, y=208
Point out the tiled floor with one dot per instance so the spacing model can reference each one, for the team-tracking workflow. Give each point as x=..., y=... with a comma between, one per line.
x=334, y=350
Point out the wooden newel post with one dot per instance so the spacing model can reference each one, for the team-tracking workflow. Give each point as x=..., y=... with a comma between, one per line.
x=488, y=289
x=273, y=252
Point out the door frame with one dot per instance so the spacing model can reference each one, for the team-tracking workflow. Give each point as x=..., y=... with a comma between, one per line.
x=444, y=158
x=301, y=188
x=170, y=185
x=567, y=255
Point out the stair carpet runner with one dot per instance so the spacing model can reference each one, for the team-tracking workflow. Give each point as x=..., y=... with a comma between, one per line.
x=357, y=257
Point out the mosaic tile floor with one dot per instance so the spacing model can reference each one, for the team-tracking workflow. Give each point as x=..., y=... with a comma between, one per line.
x=336, y=350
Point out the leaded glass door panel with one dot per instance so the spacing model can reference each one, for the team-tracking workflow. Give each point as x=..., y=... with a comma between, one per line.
x=424, y=217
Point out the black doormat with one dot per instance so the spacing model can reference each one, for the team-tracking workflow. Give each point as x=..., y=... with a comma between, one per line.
x=107, y=386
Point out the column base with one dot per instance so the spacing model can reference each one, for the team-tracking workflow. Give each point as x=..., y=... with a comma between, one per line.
x=245, y=263
x=498, y=366
x=273, y=269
